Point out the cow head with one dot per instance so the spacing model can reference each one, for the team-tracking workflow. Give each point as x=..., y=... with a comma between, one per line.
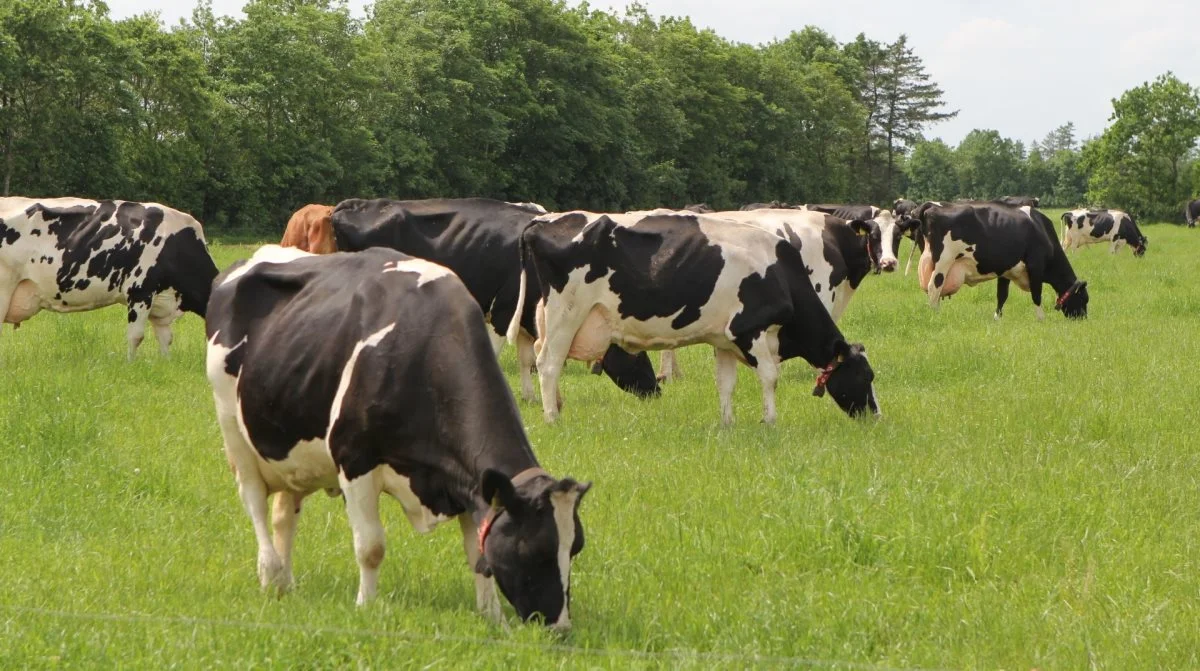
x=633, y=373
x=872, y=240
x=533, y=534
x=849, y=380
x=1073, y=302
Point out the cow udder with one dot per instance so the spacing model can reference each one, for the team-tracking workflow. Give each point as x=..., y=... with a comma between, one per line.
x=25, y=303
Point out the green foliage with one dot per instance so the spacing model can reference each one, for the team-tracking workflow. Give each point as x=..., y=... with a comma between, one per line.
x=1141, y=161
x=242, y=121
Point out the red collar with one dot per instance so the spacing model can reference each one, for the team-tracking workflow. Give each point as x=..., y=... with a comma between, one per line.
x=823, y=378
x=486, y=526
x=1063, y=298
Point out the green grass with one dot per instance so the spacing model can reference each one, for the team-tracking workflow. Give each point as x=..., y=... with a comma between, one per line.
x=1031, y=499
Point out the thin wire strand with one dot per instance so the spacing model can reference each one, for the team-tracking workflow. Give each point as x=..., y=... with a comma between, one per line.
x=435, y=638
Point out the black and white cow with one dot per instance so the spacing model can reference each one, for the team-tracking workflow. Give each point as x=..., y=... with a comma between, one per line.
x=969, y=243
x=372, y=372
x=72, y=255
x=838, y=255
x=884, y=219
x=665, y=281
x=479, y=239
x=1192, y=213
x=1086, y=227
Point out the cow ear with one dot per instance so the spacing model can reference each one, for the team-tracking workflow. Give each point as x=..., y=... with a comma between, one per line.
x=497, y=489
x=860, y=227
x=841, y=350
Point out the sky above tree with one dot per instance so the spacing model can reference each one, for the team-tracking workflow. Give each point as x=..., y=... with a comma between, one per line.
x=1021, y=67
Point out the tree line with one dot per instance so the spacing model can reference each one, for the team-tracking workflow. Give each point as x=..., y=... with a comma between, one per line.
x=241, y=121
x=1144, y=162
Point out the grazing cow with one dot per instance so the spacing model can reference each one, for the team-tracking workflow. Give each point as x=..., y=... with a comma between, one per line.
x=664, y=281
x=311, y=230
x=72, y=255
x=1192, y=213
x=837, y=254
x=969, y=243
x=479, y=240
x=884, y=219
x=1018, y=201
x=1085, y=227
x=373, y=372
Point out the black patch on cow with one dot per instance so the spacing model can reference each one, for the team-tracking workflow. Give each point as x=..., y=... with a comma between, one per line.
x=1102, y=223
x=939, y=278
x=36, y=231
x=817, y=287
x=8, y=235
x=157, y=241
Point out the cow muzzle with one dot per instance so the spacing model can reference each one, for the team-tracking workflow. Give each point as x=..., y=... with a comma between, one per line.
x=888, y=265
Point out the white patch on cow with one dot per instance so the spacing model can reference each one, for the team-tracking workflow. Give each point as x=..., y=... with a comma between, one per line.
x=874, y=398
x=400, y=487
x=372, y=340
x=426, y=271
x=266, y=254
x=887, y=228
x=563, y=504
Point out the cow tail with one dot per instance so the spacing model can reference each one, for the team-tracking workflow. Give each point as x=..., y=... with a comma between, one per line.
x=514, y=326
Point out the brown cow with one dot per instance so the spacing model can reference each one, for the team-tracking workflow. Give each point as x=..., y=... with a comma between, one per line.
x=310, y=229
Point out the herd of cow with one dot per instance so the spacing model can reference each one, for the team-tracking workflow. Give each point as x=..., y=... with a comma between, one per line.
x=359, y=356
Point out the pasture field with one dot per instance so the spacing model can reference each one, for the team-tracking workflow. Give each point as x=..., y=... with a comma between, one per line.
x=1031, y=499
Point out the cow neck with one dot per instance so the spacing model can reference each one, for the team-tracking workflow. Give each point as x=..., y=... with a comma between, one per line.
x=1060, y=275
x=495, y=510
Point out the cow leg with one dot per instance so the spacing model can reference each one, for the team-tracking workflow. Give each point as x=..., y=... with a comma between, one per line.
x=486, y=600
x=253, y=492
x=766, y=352
x=525, y=359
x=549, y=366
x=669, y=367
x=726, y=379
x=1035, y=287
x=283, y=521
x=1001, y=294
x=362, y=509
x=139, y=314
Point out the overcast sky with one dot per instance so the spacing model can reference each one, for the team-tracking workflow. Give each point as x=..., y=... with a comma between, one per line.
x=1022, y=67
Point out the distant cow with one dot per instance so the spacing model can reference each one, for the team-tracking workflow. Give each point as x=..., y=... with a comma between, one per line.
x=72, y=255
x=699, y=208
x=310, y=230
x=1019, y=201
x=903, y=207
x=1192, y=213
x=479, y=239
x=1085, y=227
x=664, y=281
x=373, y=372
x=969, y=243
x=883, y=218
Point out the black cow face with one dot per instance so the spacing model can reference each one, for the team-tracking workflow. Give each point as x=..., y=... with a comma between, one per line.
x=532, y=541
x=851, y=381
x=872, y=237
x=1073, y=302
x=632, y=372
